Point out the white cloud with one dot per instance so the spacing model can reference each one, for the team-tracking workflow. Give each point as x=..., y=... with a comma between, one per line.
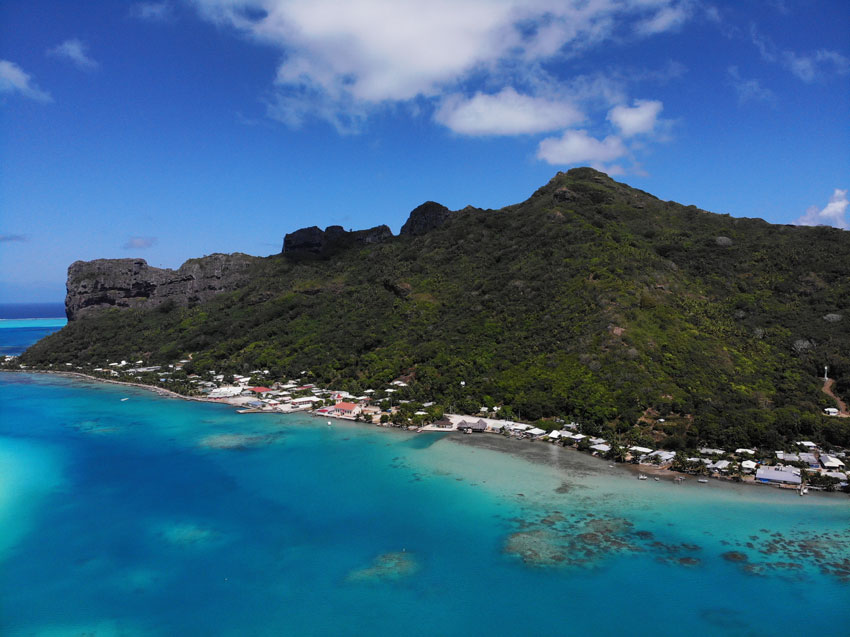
x=152, y=11
x=140, y=243
x=577, y=147
x=366, y=53
x=75, y=51
x=668, y=18
x=831, y=215
x=638, y=119
x=749, y=90
x=809, y=67
x=766, y=47
x=13, y=79
x=806, y=66
x=505, y=113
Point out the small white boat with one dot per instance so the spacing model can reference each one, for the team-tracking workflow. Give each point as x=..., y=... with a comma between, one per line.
x=657, y=479
x=123, y=399
x=703, y=480
x=641, y=477
x=329, y=423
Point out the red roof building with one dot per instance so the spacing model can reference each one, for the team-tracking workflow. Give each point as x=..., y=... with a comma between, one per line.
x=346, y=408
x=260, y=390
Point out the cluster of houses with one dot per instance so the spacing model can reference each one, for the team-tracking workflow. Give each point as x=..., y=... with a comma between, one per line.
x=784, y=468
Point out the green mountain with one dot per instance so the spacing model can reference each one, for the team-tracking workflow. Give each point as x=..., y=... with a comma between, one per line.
x=590, y=300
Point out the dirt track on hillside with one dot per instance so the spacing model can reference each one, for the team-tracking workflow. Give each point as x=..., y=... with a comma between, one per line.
x=842, y=406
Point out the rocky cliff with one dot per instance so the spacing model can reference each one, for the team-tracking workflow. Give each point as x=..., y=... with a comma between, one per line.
x=317, y=241
x=101, y=284
x=424, y=218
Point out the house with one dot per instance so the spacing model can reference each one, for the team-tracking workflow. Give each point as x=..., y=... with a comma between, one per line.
x=346, y=409
x=637, y=449
x=720, y=465
x=748, y=466
x=478, y=426
x=708, y=451
x=225, y=392
x=663, y=456
x=777, y=475
x=749, y=452
x=830, y=411
x=535, y=432
x=554, y=435
x=601, y=448
x=810, y=459
x=831, y=462
x=260, y=390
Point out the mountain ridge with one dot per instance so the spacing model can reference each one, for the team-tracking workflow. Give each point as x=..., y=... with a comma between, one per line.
x=591, y=300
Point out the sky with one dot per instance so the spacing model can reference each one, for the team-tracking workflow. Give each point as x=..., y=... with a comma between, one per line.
x=167, y=130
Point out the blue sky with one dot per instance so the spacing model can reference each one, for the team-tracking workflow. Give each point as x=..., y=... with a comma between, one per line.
x=169, y=130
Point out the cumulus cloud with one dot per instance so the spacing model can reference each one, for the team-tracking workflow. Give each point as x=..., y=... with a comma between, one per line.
x=748, y=90
x=74, y=51
x=505, y=113
x=833, y=214
x=13, y=79
x=577, y=147
x=9, y=238
x=367, y=53
x=140, y=243
x=638, y=119
x=152, y=11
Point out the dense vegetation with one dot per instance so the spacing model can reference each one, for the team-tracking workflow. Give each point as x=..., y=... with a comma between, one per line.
x=591, y=301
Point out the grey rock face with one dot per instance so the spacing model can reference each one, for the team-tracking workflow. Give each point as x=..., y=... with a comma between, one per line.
x=101, y=284
x=424, y=218
x=310, y=239
x=316, y=240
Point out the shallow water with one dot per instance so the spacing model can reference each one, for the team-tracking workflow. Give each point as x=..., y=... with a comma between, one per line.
x=120, y=517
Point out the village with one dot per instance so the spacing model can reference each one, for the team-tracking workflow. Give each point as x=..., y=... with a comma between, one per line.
x=805, y=466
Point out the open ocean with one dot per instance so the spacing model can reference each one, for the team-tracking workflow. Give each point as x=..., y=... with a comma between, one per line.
x=154, y=516
x=22, y=324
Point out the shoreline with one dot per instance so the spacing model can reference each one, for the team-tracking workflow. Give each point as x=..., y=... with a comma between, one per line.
x=528, y=451
x=165, y=393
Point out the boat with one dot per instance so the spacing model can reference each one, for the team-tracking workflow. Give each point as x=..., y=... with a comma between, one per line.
x=657, y=479
x=123, y=399
x=641, y=477
x=703, y=480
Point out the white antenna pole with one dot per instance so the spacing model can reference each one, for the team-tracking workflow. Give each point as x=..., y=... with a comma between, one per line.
x=825, y=370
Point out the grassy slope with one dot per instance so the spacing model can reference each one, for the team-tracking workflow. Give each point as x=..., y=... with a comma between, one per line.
x=610, y=306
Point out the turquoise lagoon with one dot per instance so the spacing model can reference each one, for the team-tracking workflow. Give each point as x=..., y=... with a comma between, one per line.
x=156, y=516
